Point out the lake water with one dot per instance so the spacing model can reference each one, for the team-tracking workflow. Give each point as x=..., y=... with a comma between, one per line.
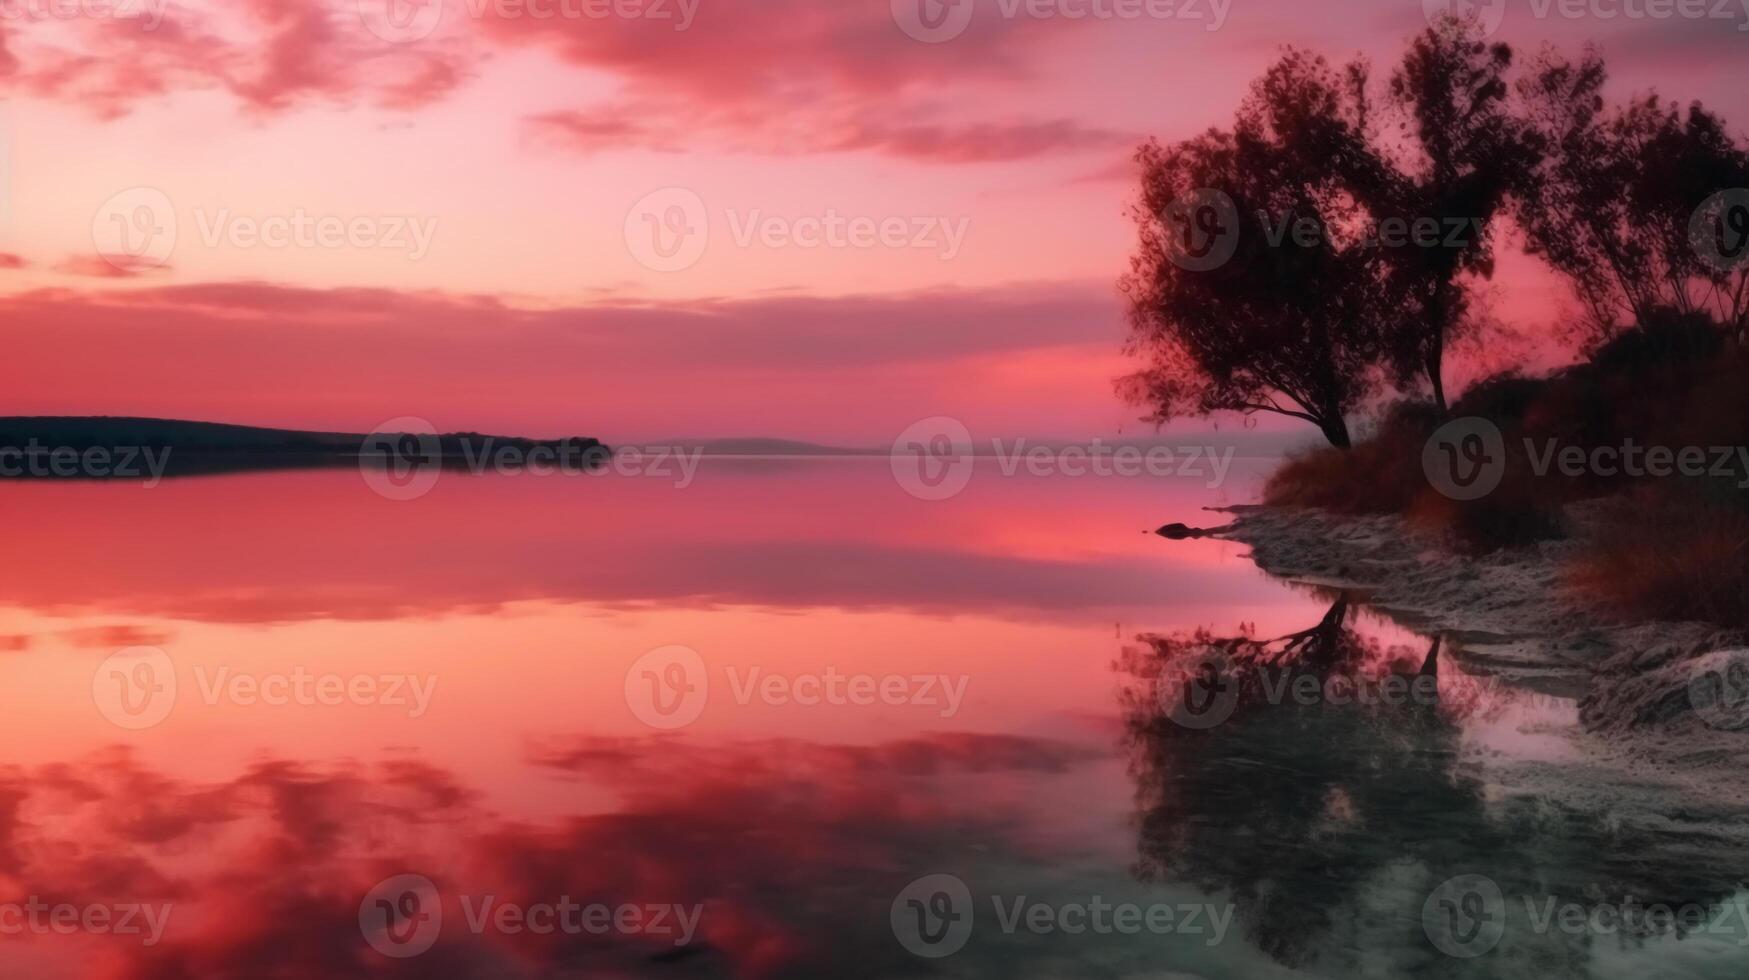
x=789, y=720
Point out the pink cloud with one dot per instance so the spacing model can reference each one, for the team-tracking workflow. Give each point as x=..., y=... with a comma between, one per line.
x=669, y=128
x=770, y=76
x=787, y=331
x=114, y=637
x=845, y=76
x=797, y=50
x=107, y=266
x=981, y=142
x=849, y=368
x=269, y=54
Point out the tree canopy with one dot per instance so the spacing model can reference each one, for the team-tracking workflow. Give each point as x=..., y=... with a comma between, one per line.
x=1325, y=247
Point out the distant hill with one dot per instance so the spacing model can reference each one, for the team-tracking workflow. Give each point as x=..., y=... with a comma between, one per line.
x=79, y=432
x=212, y=447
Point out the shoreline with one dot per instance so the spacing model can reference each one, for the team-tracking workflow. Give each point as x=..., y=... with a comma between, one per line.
x=1507, y=615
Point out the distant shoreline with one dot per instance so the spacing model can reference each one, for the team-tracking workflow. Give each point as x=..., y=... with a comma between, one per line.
x=127, y=448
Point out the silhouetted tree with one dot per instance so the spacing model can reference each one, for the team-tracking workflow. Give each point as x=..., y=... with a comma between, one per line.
x=1464, y=153
x=1617, y=200
x=1248, y=293
x=1294, y=263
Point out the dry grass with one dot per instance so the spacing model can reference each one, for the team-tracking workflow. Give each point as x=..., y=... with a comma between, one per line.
x=1673, y=548
x=1380, y=475
x=1383, y=474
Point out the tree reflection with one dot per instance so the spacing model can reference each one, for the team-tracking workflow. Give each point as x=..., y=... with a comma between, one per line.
x=1284, y=805
x=1327, y=815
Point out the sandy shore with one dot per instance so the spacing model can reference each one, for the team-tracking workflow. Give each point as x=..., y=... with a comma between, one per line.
x=1508, y=616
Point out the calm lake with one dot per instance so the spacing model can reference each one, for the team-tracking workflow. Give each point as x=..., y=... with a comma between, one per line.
x=788, y=721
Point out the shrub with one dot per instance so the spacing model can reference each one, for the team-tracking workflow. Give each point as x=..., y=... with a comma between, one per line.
x=1664, y=553
x=1506, y=398
x=1518, y=513
x=1380, y=475
x=1383, y=474
x=1671, y=382
x=1666, y=338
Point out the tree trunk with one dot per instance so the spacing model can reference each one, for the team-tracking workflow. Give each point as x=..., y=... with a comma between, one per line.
x=1335, y=429
x=1436, y=374
x=1435, y=361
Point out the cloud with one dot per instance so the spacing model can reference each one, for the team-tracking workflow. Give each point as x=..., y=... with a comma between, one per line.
x=844, y=76
x=109, y=266
x=669, y=128
x=233, y=322
x=268, y=54
x=854, y=370
x=115, y=637
x=10, y=261
x=851, y=369
x=799, y=51
x=982, y=142
x=841, y=77
x=766, y=76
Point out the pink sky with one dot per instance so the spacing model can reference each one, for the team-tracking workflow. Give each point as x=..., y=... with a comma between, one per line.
x=524, y=150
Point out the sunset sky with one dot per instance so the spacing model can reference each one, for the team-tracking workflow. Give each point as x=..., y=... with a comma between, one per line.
x=527, y=148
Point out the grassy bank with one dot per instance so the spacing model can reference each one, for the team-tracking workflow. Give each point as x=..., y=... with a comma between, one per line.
x=1671, y=547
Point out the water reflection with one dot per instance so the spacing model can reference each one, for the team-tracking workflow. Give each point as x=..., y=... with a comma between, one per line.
x=1333, y=818
x=789, y=851
x=841, y=533
x=530, y=778
x=1325, y=826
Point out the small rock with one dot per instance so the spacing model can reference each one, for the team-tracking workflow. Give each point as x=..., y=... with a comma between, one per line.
x=1656, y=656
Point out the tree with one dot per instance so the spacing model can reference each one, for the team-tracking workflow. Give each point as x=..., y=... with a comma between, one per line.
x=1466, y=152
x=1304, y=325
x=1628, y=196
x=1249, y=291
